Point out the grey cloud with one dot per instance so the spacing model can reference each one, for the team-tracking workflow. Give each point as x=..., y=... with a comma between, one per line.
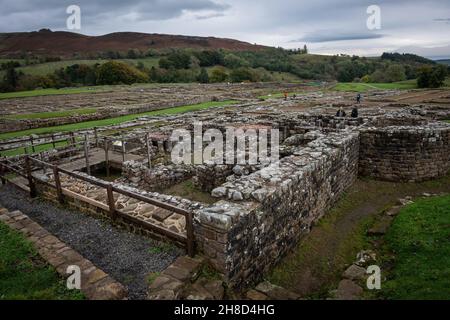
x=329, y=36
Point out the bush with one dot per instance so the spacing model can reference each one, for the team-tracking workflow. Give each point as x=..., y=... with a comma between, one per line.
x=115, y=72
x=218, y=74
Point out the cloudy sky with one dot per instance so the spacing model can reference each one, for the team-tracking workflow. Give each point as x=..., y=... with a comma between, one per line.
x=326, y=26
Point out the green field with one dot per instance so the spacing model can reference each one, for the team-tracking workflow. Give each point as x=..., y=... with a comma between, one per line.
x=419, y=239
x=115, y=121
x=53, y=114
x=363, y=87
x=50, y=67
x=23, y=273
x=50, y=92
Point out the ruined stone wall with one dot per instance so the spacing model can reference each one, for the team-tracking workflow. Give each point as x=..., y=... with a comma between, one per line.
x=245, y=239
x=156, y=178
x=412, y=153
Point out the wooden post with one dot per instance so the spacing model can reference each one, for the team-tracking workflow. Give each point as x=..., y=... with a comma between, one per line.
x=58, y=184
x=53, y=141
x=96, y=137
x=86, y=154
x=32, y=144
x=72, y=138
x=190, y=235
x=149, y=156
x=111, y=201
x=106, y=147
x=2, y=172
x=25, y=150
x=123, y=149
x=44, y=168
x=31, y=184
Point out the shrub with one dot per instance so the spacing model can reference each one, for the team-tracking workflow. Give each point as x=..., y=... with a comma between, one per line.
x=115, y=72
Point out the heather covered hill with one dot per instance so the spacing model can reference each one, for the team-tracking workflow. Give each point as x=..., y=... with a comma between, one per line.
x=68, y=44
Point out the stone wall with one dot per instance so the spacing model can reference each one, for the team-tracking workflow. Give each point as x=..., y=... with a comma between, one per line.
x=156, y=178
x=245, y=239
x=405, y=153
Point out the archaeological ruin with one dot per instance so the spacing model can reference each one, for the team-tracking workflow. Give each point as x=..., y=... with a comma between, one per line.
x=241, y=219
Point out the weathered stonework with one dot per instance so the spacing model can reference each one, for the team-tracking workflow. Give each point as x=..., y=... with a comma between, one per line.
x=405, y=153
x=244, y=239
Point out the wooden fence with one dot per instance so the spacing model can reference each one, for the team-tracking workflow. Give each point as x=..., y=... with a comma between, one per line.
x=188, y=240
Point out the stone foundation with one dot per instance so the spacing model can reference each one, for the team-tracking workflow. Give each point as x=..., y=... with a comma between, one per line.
x=245, y=239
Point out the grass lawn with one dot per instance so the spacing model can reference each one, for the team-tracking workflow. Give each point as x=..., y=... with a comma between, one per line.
x=115, y=121
x=53, y=114
x=24, y=275
x=419, y=238
x=362, y=87
x=49, y=92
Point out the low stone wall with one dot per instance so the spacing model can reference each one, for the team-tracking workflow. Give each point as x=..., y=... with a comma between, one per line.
x=156, y=178
x=405, y=153
x=245, y=239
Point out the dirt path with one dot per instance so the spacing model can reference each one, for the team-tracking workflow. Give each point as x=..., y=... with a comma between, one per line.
x=314, y=267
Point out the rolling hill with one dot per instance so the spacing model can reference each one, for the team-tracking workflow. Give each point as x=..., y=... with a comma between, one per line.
x=67, y=44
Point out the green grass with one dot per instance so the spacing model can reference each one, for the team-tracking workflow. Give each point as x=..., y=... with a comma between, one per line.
x=419, y=239
x=115, y=121
x=53, y=114
x=362, y=87
x=49, y=92
x=43, y=69
x=40, y=148
x=24, y=275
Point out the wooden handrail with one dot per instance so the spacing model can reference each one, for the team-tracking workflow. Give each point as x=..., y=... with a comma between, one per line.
x=189, y=239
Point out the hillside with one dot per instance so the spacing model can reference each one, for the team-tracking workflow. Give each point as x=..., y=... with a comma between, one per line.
x=68, y=44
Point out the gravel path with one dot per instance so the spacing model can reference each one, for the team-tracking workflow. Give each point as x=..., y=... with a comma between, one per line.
x=127, y=257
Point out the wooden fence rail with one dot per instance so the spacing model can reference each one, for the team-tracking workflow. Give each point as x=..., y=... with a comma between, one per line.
x=114, y=213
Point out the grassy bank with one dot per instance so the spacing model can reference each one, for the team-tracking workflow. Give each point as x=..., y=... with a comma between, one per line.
x=115, y=121
x=24, y=275
x=419, y=239
x=363, y=87
x=315, y=265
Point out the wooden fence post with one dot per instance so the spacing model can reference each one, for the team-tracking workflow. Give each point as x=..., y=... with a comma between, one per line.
x=106, y=147
x=31, y=184
x=53, y=141
x=123, y=149
x=96, y=137
x=2, y=172
x=86, y=154
x=32, y=144
x=149, y=156
x=190, y=234
x=72, y=138
x=111, y=201
x=58, y=184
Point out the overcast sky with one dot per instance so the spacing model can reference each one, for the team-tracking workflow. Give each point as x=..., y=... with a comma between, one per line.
x=326, y=26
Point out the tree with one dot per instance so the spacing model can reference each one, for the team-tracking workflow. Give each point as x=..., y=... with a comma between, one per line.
x=115, y=72
x=10, y=80
x=218, y=75
x=203, y=77
x=395, y=73
x=431, y=77
x=242, y=74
